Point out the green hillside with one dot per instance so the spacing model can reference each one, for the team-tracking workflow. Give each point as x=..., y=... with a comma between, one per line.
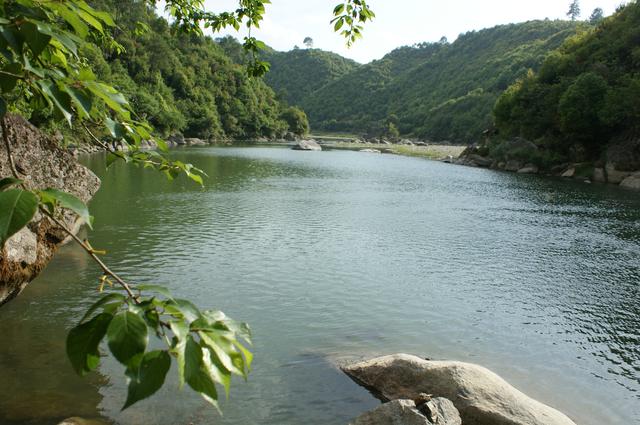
x=297, y=74
x=585, y=96
x=184, y=82
x=436, y=91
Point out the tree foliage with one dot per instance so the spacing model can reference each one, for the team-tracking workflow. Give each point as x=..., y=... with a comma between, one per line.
x=438, y=91
x=585, y=93
x=574, y=10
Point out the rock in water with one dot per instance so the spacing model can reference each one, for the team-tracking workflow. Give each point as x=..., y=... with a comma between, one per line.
x=632, y=182
x=307, y=145
x=41, y=164
x=405, y=412
x=481, y=396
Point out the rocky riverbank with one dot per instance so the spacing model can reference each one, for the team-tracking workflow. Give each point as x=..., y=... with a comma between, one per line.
x=422, y=392
x=620, y=164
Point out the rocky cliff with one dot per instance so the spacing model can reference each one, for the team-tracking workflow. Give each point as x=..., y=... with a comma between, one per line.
x=40, y=164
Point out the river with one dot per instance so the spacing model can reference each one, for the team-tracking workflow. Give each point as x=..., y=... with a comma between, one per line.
x=343, y=255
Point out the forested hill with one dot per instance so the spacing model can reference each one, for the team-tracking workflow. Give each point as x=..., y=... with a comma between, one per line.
x=184, y=83
x=437, y=91
x=298, y=73
x=584, y=103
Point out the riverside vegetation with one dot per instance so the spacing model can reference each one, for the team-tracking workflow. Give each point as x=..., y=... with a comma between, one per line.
x=557, y=96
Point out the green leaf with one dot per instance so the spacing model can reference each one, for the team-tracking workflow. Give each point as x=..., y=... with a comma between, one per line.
x=109, y=298
x=60, y=100
x=155, y=288
x=180, y=329
x=183, y=308
x=127, y=336
x=148, y=376
x=17, y=208
x=80, y=99
x=216, y=370
x=67, y=200
x=83, y=342
x=196, y=373
x=8, y=182
x=225, y=351
x=8, y=82
x=36, y=40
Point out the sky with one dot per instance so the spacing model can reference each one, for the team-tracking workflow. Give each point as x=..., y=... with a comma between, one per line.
x=398, y=22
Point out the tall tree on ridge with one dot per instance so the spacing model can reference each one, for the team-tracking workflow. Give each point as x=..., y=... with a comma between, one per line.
x=596, y=16
x=308, y=41
x=574, y=10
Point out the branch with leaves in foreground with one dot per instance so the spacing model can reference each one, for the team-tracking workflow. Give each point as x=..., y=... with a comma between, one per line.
x=41, y=67
x=207, y=346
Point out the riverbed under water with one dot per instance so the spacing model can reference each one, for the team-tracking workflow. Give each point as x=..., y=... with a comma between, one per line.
x=341, y=255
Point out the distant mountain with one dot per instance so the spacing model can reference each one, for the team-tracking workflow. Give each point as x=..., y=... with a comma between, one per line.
x=436, y=91
x=296, y=74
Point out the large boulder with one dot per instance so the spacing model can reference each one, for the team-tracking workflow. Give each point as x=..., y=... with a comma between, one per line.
x=481, y=396
x=438, y=411
x=307, y=145
x=41, y=164
x=631, y=182
x=614, y=175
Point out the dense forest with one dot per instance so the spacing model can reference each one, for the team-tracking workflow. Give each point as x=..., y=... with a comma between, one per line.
x=584, y=98
x=185, y=83
x=297, y=74
x=439, y=91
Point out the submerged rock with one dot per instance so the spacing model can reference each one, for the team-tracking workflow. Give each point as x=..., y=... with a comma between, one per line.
x=41, y=164
x=481, y=396
x=307, y=145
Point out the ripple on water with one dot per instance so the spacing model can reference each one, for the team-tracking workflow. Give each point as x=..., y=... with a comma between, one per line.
x=338, y=255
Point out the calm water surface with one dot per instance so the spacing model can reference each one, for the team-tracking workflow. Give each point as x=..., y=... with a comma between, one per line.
x=339, y=255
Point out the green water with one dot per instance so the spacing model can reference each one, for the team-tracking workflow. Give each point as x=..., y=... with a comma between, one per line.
x=340, y=255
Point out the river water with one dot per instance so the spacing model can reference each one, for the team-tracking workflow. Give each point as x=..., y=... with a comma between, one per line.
x=343, y=255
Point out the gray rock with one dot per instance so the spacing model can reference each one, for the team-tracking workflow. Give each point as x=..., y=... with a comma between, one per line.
x=599, y=175
x=481, y=396
x=632, y=182
x=528, y=169
x=479, y=160
x=397, y=412
x=177, y=138
x=41, y=164
x=405, y=412
x=194, y=141
x=512, y=165
x=439, y=410
x=307, y=145
x=569, y=172
x=614, y=175
x=370, y=150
